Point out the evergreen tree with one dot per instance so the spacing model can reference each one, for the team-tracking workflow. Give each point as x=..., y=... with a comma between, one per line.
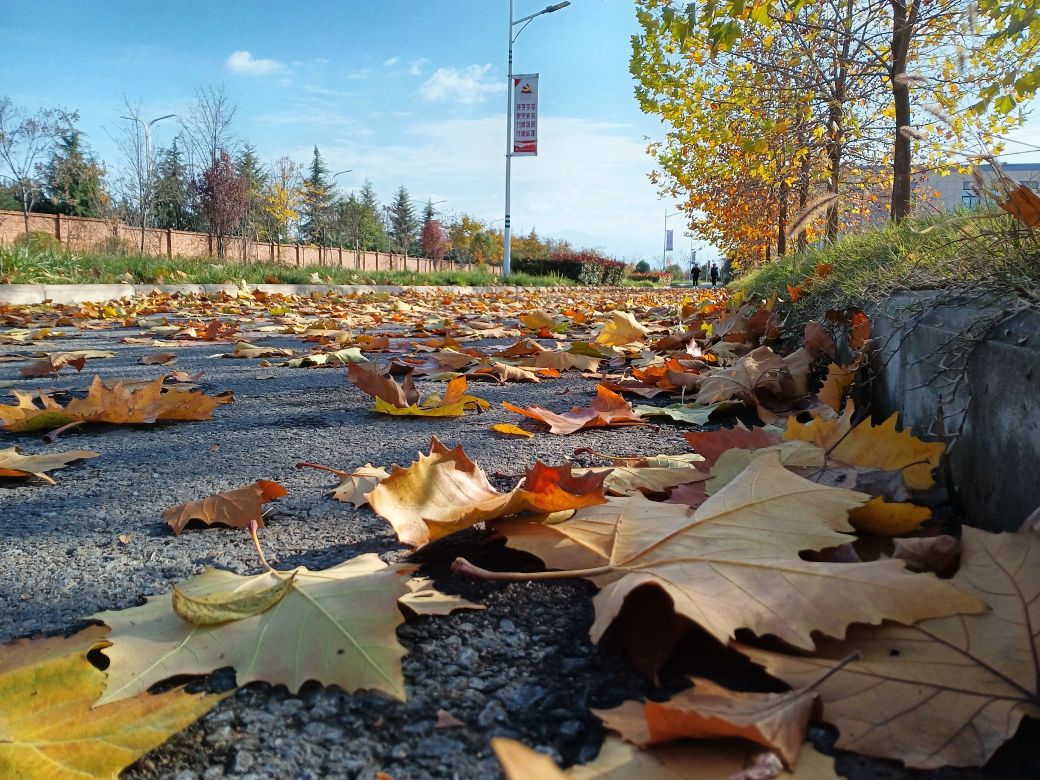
x=74, y=179
x=373, y=236
x=172, y=202
x=403, y=225
x=249, y=168
x=317, y=201
x=428, y=214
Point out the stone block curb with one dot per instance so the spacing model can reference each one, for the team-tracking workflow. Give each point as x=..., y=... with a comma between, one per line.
x=29, y=294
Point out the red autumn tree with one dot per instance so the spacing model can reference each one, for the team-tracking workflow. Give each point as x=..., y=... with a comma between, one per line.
x=434, y=241
x=225, y=196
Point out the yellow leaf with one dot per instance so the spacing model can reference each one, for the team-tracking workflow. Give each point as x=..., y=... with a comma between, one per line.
x=620, y=328
x=511, y=430
x=47, y=727
x=880, y=517
x=213, y=609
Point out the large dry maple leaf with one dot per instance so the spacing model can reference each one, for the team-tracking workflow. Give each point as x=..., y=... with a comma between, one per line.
x=337, y=626
x=119, y=404
x=733, y=563
x=47, y=726
x=947, y=691
x=879, y=447
x=607, y=410
x=445, y=492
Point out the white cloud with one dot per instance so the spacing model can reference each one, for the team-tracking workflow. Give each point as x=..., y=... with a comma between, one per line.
x=416, y=66
x=587, y=185
x=467, y=85
x=244, y=62
x=391, y=62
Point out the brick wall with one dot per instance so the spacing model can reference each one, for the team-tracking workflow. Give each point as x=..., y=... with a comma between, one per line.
x=84, y=234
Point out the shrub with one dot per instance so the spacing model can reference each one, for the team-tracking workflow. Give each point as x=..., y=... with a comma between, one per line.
x=114, y=245
x=653, y=277
x=584, y=267
x=38, y=242
x=642, y=267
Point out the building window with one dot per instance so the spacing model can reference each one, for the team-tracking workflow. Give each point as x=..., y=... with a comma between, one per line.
x=969, y=195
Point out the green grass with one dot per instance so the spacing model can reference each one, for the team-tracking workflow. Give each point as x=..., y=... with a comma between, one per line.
x=20, y=265
x=949, y=251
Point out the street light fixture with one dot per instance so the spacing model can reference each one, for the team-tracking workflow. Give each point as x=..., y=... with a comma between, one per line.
x=523, y=22
x=147, y=167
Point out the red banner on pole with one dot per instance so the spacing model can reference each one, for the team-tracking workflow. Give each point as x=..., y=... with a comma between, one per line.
x=525, y=115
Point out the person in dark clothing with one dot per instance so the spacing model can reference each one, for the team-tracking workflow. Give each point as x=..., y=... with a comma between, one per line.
x=714, y=274
x=695, y=274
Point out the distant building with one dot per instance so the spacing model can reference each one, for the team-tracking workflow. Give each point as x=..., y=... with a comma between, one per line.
x=960, y=190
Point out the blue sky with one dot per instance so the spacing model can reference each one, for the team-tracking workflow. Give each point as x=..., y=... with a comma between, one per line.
x=401, y=91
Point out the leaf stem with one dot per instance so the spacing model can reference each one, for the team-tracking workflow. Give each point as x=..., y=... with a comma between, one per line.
x=464, y=568
x=337, y=472
x=260, y=550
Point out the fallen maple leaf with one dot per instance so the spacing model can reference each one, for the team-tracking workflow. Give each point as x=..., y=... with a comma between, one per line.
x=629, y=480
x=835, y=386
x=48, y=728
x=620, y=328
x=711, y=444
x=159, y=358
x=607, y=410
x=880, y=447
x=353, y=485
x=383, y=387
x=883, y=518
x=53, y=363
x=137, y=405
x=342, y=357
x=734, y=562
x=506, y=429
x=424, y=599
x=445, y=491
x=455, y=403
x=336, y=626
x=761, y=379
x=563, y=361
x=693, y=414
x=947, y=691
x=702, y=760
x=13, y=464
x=776, y=721
x=234, y=508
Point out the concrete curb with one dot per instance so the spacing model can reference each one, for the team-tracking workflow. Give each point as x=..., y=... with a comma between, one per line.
x=29, y=294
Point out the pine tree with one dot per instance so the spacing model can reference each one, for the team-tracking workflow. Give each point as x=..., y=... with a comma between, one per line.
x=74, y=179
x=317, y=201
x=428, y=214
x=173, y=187
x=251, y=171
x=373, y=235
x=403, y=225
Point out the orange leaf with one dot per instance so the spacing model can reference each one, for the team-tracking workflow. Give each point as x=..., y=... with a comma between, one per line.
x=235, y=508
x=607, y=410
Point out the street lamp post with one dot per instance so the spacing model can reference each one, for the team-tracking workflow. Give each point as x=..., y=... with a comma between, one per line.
x=524, y=21
x=147, y=168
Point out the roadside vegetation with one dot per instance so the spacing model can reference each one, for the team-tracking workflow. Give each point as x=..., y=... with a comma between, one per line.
x=24, y=265
x=965, y=251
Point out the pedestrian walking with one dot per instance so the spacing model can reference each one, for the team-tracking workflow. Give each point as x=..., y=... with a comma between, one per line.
x=695, y=274
x=714, y=274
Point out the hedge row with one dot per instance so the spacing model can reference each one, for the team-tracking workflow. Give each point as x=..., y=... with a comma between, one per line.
x=581, y=267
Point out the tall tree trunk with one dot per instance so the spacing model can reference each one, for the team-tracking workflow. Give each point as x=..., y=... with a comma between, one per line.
x=803, y=197
x=834, y=135
x=781, y=220
x=903, y=23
